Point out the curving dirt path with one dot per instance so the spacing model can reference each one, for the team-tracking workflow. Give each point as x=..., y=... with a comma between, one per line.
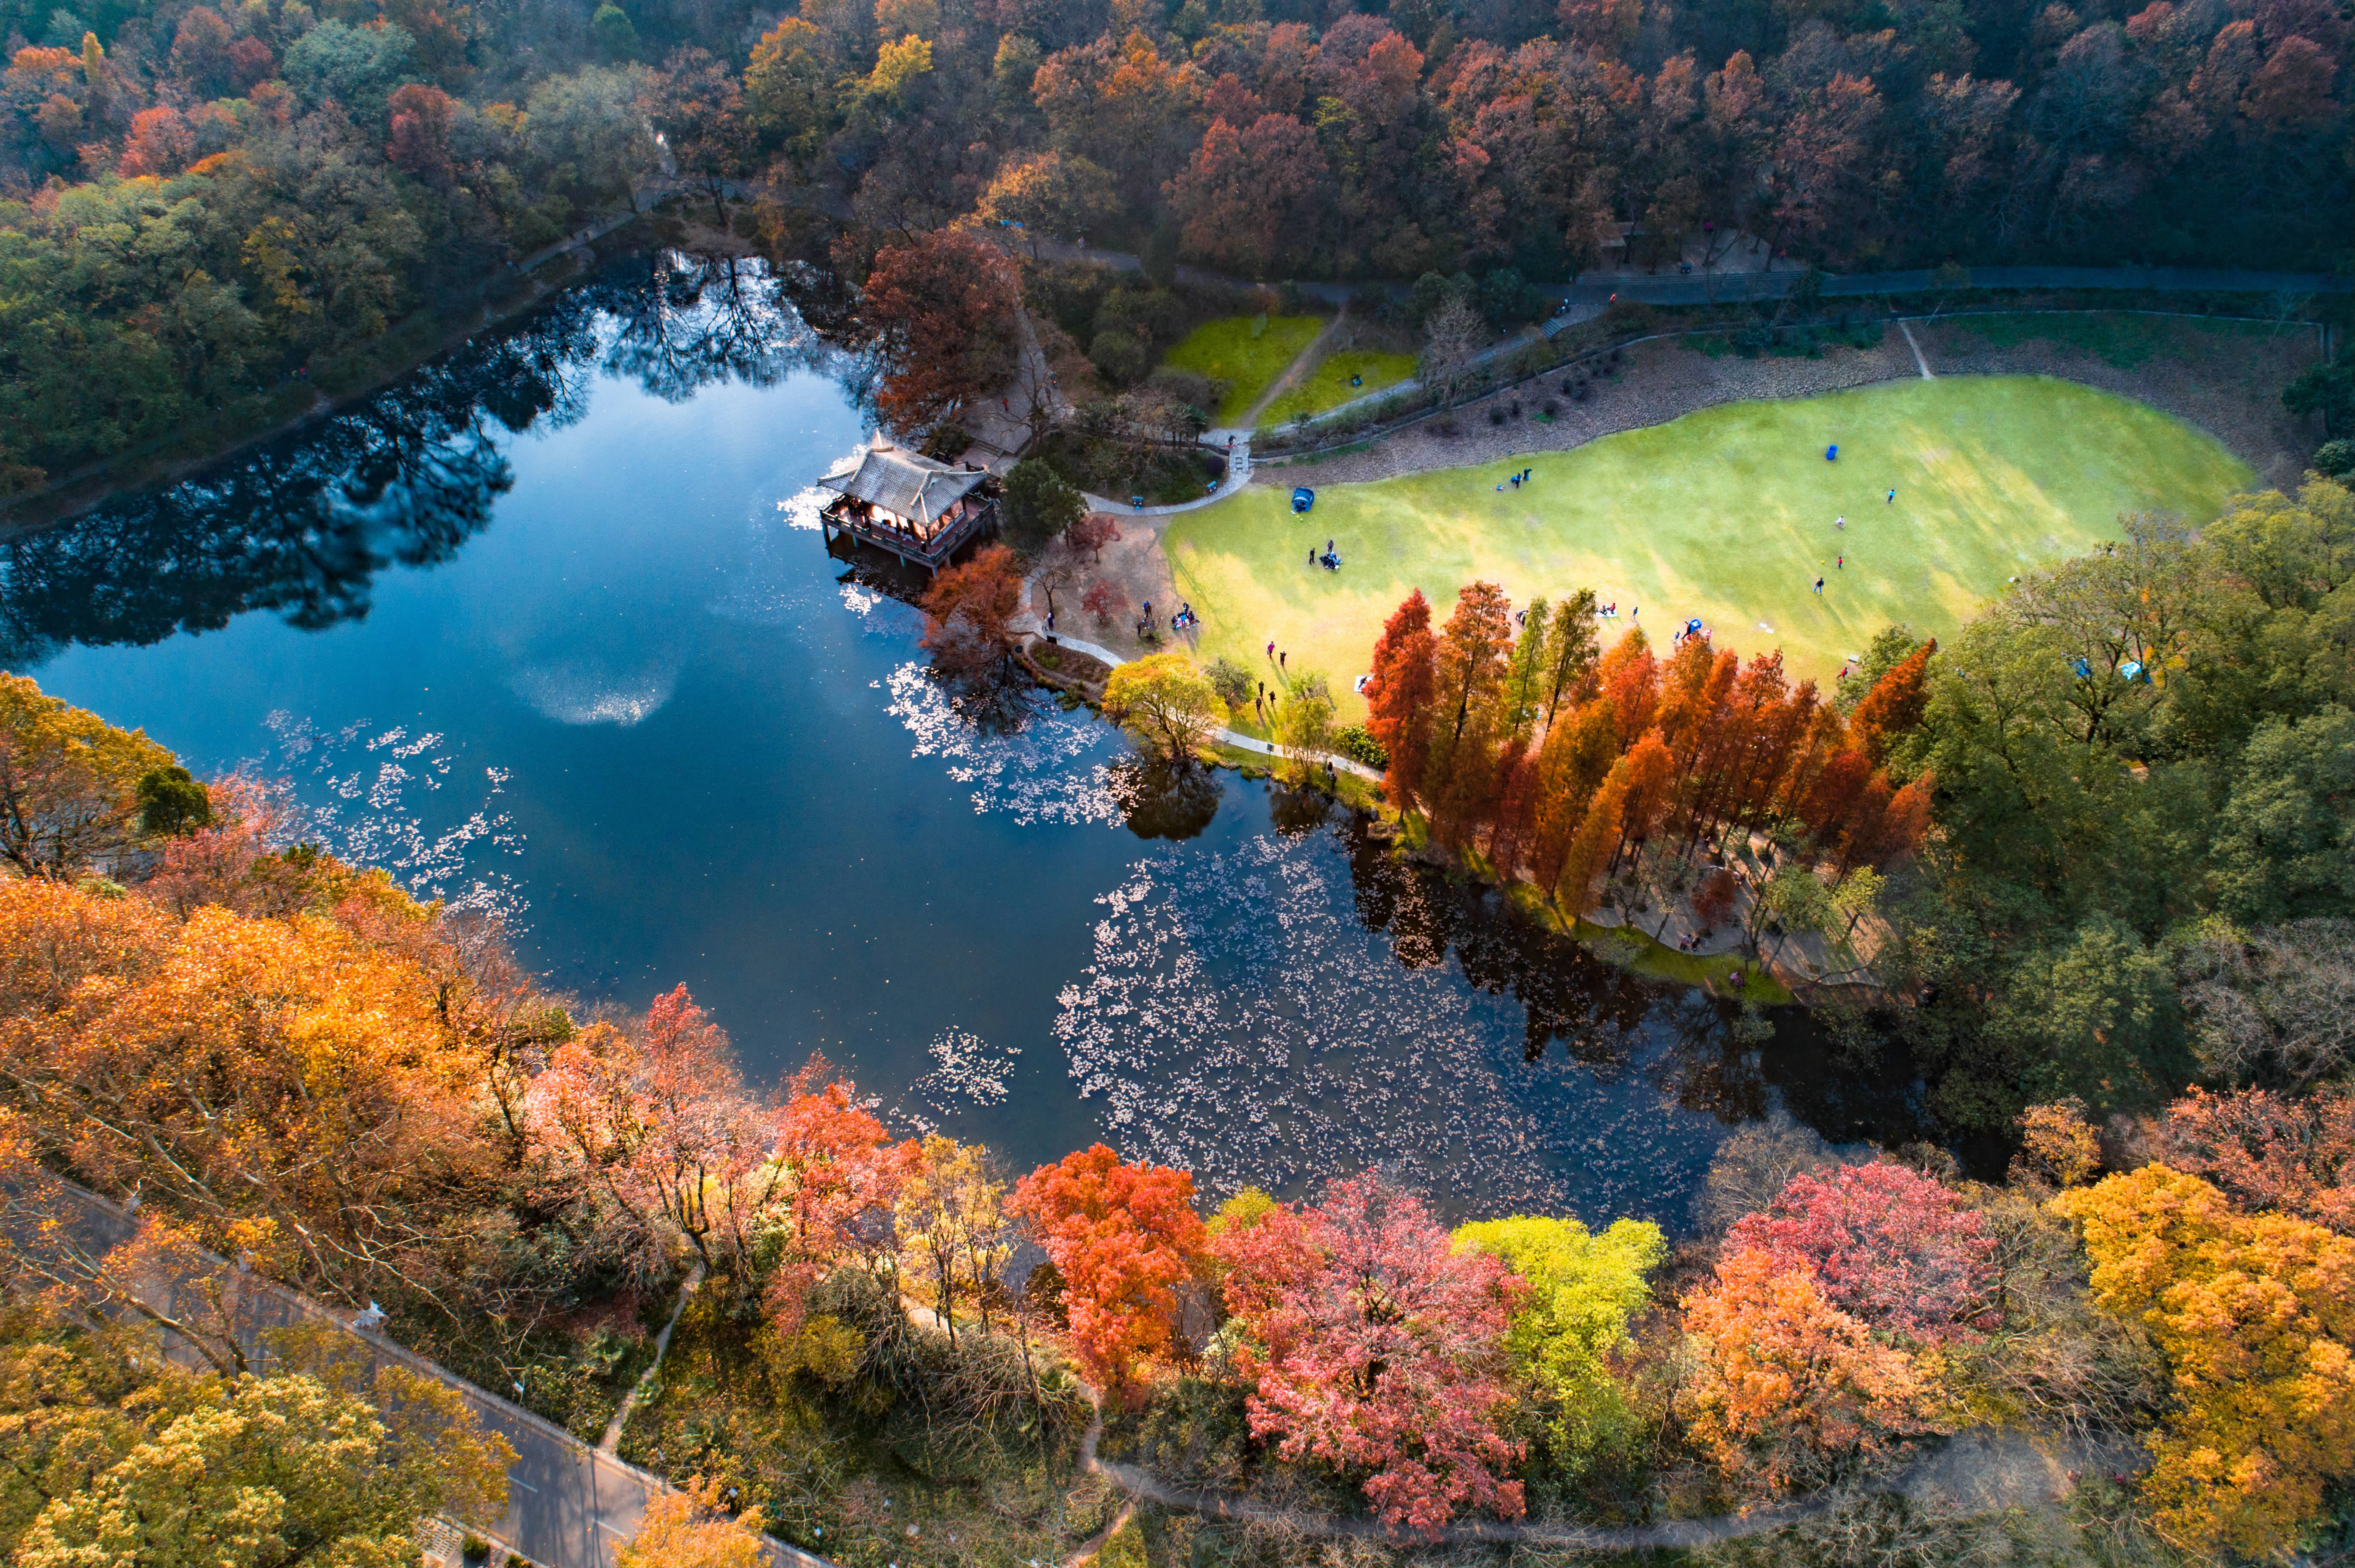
x=1984, y=1469
x=1300, y=365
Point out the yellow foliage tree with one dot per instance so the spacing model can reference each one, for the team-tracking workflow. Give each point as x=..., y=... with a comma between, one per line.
x=1583, y=1288
x=244, y=1070
x=69, y=783
x=2058, y=1144
x=953, y=1228
x=691, y=1528
x=897, y=66
x=109, y=1456
x=1165, y=701
x=2255, y=1316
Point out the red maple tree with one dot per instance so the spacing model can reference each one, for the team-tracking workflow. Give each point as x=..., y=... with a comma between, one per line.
x=1104, y=600
x=2268, y=1151
x=1123, y=1237
x=840, y=1172
x=1375, y=1345
x=655, y=1120
x=1890, y=1247
x=1092, y=533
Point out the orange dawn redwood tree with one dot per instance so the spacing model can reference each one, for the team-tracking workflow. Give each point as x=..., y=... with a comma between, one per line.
x=1123, y=1237
x=967, y=609
x=1399, y=695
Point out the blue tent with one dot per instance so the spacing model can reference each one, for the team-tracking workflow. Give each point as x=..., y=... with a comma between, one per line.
x=1302, y=497
x=1831, y=453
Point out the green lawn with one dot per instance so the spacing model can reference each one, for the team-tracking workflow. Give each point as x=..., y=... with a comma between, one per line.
x=1327, y=386
x=1726, y=514
x=1246, y=352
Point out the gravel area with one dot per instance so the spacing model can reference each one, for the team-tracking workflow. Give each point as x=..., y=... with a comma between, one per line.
x=2227, y=384
x=1135, y=565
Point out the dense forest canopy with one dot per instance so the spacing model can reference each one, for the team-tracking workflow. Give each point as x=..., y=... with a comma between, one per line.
x=198, y=202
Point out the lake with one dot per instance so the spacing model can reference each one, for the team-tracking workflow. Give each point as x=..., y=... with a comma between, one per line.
x=548, y=630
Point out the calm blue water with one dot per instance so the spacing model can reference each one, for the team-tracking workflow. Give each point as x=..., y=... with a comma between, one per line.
x=599, y=676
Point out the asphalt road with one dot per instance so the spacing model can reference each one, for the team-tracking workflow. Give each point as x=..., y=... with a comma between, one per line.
x=1735, y=282
x=569, y=1506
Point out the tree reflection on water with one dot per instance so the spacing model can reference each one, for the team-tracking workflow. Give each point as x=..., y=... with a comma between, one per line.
x=301, y=524
x=1167, y=799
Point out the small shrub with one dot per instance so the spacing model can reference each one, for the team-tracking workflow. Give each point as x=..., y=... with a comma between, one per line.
x=1358, y=743
x=1496, y=415
x=1447, y=426
x=1551, y=408
x=2335, y=459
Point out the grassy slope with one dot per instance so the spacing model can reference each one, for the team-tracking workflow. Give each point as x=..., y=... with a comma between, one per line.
x=1726, y=514
x=1226, y=351
x=1327, y=386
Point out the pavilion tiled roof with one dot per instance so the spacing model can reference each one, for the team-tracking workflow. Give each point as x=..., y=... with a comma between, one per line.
x=902, y=482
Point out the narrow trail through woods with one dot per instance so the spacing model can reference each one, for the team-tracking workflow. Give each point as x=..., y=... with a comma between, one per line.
x=1983, y=1469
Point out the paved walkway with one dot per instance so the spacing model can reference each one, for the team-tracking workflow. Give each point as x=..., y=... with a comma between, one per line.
x=1721, y=283
x=1238, y=467
x=569, y=1506
x=1111, y=660
x=581, y=238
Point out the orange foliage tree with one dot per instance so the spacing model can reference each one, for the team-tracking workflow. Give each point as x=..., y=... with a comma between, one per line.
x=2255, y=1317
x=1470, y=667
x=1788, y=1388
x=1243, y=202
x=1123, y=1237
x=286, y=1085
x=968, y=611
x=1895, y=706
x=1398, y=694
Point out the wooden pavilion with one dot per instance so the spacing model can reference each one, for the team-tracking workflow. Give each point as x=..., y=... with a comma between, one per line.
x=903, y=502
